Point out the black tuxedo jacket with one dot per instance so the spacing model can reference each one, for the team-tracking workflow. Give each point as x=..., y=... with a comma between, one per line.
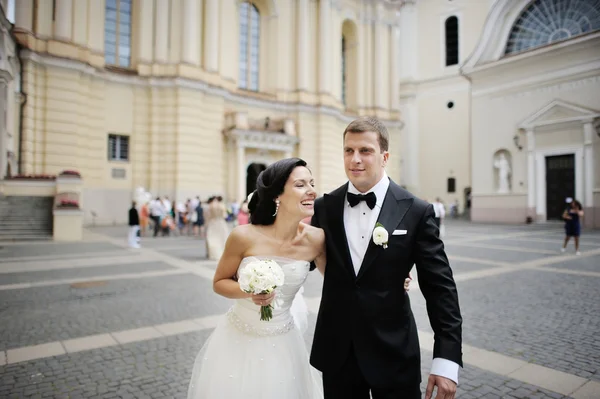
x=371, y=313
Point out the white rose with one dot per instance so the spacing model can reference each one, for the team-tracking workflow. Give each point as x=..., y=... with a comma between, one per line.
x=261, y=276
x=380, y=236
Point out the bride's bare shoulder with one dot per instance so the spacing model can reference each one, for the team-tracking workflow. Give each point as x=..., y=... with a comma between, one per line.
x=242, y=233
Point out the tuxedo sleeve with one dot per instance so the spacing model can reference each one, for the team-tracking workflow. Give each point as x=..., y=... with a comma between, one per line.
x=439, y=289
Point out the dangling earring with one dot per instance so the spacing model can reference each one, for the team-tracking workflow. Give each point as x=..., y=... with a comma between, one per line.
x=276, y=207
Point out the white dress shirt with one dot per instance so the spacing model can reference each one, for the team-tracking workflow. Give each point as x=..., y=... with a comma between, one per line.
x=359, y=222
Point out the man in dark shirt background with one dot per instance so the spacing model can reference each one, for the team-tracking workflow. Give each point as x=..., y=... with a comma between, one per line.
x=134, y=226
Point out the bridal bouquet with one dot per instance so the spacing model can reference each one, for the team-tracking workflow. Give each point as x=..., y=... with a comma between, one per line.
x=261, y=277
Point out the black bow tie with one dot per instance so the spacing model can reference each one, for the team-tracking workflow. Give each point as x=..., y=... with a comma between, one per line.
x=369, y=198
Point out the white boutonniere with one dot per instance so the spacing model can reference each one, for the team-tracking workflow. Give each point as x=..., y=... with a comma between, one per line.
x=380, y=235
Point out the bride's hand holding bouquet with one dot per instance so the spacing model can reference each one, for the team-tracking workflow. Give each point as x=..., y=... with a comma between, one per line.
x=260, y=278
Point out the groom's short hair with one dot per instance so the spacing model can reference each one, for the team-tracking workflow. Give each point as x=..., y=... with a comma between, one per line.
x=370, y=124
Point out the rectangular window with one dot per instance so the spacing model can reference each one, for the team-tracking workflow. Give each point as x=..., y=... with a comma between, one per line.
x=249, y=41
x=451, y=32
x=117, y=33
x=451, y=185
x=118, y=147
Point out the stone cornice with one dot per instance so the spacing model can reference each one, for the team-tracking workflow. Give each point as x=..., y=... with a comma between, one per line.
x=150, y=82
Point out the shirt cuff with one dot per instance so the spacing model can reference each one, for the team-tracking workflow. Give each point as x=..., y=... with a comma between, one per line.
x=445, y=368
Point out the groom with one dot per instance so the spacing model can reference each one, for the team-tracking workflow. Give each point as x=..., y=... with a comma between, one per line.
x=366, y=338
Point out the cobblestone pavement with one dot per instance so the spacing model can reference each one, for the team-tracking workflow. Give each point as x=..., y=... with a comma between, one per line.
x=523, y=304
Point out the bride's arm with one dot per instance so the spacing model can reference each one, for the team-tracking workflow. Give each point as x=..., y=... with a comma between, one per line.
x=317, y=238
x=321, y=261
x=224, y=281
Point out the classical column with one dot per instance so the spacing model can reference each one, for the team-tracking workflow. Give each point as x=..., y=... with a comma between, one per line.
x=302, y=61
x=191, y=32
x=408, y=42
x=241, y=163
x=588, y=168
x=95, y=26
x=531, y=183
x=43, y=20
x=63, y=24
x=394, y=65
x=24, y=15
x=146, y=32
x=325, y=46
x=161, y=33
x=80, y=22
x=378, y=64
x=211, y=36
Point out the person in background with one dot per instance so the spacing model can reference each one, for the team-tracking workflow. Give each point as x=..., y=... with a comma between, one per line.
x=134, y=226
x=440, y=211
x=157, y=212
x=454, y=209
x=243, y=216
x=217, y=230
x=572, y=216
x=167, y=205
x=144, y=218
x=181, y=217
x=199, y=221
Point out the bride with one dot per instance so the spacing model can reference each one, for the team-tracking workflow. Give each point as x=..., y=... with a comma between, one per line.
x=245, y=357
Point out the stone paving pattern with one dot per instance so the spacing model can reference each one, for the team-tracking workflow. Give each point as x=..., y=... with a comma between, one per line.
x=60, y=274
x=160, y=368
x=547, y=318
x=46, y=314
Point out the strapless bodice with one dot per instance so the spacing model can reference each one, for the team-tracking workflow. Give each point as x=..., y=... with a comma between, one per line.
x=245, y=315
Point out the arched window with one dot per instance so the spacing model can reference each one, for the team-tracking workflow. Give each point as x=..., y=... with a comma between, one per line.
x=117, y=33
x=451, y=31
x=549, y=21
x=249, y=46
x=344, y=74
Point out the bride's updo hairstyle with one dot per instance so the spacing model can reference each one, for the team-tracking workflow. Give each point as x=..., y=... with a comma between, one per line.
x=269, y=185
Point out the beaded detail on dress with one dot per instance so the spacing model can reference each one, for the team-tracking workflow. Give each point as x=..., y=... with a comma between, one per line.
x=267, y=330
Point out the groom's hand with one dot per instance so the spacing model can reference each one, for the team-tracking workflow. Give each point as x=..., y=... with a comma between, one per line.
x=446, y=388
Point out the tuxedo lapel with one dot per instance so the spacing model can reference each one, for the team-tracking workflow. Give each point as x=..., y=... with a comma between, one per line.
x=334, y=205
x=394, y=207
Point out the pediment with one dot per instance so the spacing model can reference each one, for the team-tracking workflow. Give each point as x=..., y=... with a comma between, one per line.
x=558, y=112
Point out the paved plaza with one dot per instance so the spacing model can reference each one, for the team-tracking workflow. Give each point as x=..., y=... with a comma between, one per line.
x=98, y=320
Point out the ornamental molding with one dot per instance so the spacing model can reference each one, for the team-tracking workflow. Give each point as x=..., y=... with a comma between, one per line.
x=262, y=140
x=558, y=112
x=545, y=83
x=498, y=24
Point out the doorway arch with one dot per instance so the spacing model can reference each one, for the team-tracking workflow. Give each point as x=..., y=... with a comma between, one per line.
x=252, y=173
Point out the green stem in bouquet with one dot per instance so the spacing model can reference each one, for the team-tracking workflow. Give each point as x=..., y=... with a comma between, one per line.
x=266, y=313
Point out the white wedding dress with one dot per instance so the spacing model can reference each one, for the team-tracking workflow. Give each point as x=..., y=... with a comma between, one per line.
x=252, y=359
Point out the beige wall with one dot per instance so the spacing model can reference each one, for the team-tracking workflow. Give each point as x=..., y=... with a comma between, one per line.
x=436, y=140
x=503, y=98
x=432, y=14
x=173, y=100
x=550, y=93
x=444, y=149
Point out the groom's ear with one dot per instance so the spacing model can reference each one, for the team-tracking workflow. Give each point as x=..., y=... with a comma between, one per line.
x=386, y=155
